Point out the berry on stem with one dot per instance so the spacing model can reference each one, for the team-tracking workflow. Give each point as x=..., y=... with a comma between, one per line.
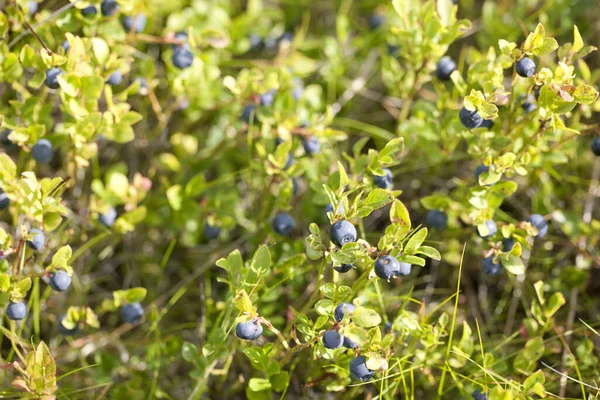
x=436, y=219
x=332, y=339
x=489, y=267
x=341, y=310
x=385, y=181
x=108, y=218
x=540, y=223
x=470, y=119
x=132, y=312
x=60, y=280
x=525, y=67
x=283, y=224
x=387, y=267
x=445, y=67
x=250, y=330
x=16, y=310
x=42, y=151
x=342, y=232
x=38, y=239
x=359, y=370
x=51, y=80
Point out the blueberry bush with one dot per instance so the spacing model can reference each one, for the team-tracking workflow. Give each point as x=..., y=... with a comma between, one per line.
x=214, y=199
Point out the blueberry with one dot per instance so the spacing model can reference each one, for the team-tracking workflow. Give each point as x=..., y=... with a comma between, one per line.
x=332, y=340
x=139, y=20
x=283, y=224
x=60, y=280
x=436, y=219
x=405, y=269
x=387, y=267
x=487, y=124
x=66, y=45
x=376, y=21
x=311, y=145
x=481, y=168
x=16, y=311
x=492, y=229
x=297, y=88
x=540, y=223
x=525, y=67
x=52, y=77
x=64, y=331
x=250, y=330
x=108, y=218
x=132, y=312
x=289, y=161
x=470, y=119
x=32, y=7
x=342, y=232
x=182, y=58
x=329, y=208
x=143, y=86
x=267, y=98
x=109, y=7
x=210, y=231
x=182, y=36
x=596, y=146
x=387, y=328
x=359, y=370
x=341, y=309
x=6, y=143
x=38, y=239
x=445, y=67
x=508, y=244
x=249, y=114
x=115, y=78
x=42, y=151
x=385, y=181
x=489, y=267
x=342, y=269
x=4, y=200
x=528, y=105
x=477, y=395
x=349, y=343
x=89, y=11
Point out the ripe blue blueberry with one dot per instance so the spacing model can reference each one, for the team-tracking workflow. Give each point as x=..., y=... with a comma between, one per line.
x=52, y=77
x=283, y=224
x=470, y=119
x=66, y=45
x=181, y=36
x=297, y=88
x=132, y=312
x=487, y=124
x=108, y=218
x=528, y=104
x=376, y=21
x=289, y=161
x=332, y=340
x=6, y=143
x=596, y=146
x=267, y=98
x=340, y=210
x=405, y=269
x=525, y=67
x=387, y=328
x=210, y=231
x=311, y=145
x=89, y=11
x=182, y=58
x=436, y=219
x=508, y=244
x=477, y=395
x=491, y=227
x=115, y=78
x=445, y=67
x=249, y=114
x=64, y=331
x=385, y=181
x=250, y=330
x=540, y=223
x=489, y=267
x=38, y=239
x=342, y=269
x=137, y=23
x=341, y=309
x=359, y=370
x=109, y=7
x=16, y=310
x=387, y=267
x=4, y=200
x=42, y=151
x=349, y=343
x=60, y=280
x=342, y=232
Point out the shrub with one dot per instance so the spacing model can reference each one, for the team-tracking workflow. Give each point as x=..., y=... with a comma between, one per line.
x=216, y=199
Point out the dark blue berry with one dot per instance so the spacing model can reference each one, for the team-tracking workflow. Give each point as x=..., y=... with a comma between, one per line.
x=487, y=124
x=89, y=11
x=210, y=231
x=332, y=340
x=477, y=395
x=249, y=114
x=267, y=98
x=349, y=343
x=528, y=105
x=311, y=145
x=525, y=67
x=343, y=309
x=139, y=20
x=596, y=146
x=376, y=21
x=250, y=330
x=60, y=280
x=108, y=218
x=342, y=269
x=181, y=36
x=387, y=267
x=540, y=223
x=387, y=328
x=109, y=8
x=182, y=58
x=38, y=239
x=489, y=267
x=342, y=232
x=52, y=77
x=436, y=219
x=132, y=312
x=492, y=229
x=283, y=224
x=16, y=310
x=359, y=370
x=329, y=208
x=445, y=67
x=508, y=244
x=385, y=181
x=470, y=119
x=4, y=200
x=115, y=78
x=66, y=45
x=42, y=151
x=64, y=331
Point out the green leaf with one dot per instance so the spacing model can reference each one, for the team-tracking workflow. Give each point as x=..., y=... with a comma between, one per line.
x=135, y=295
x=415, y=241
x=175, y=197
x=243, y=303
x=324, y=307
x=548, y=46
x=554, y=303
x=513, y=264
x=430, y=252
x=375, y=200
x=280, y=381
x=399, y=215
x=4, y=282
x=188, y=351
x=366, y=317
x=343, y=177
x=262, y=258
x=259, y=384
x=585, y=94
x=577, y=40
x=413, y=260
